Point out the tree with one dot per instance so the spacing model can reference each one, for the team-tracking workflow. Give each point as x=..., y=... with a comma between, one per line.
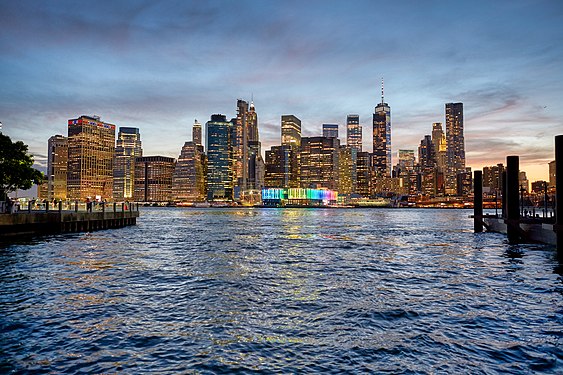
x=16, y=170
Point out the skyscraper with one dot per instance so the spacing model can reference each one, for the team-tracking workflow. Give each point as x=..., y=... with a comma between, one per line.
x=196, y=133
x=220, y=161
x=330, y=130
x=128, y=148
x=364, y=171
x=290, y=131
x=188, y=180
x=455, y=145
x=255, y=178
x=319, y=162
x=347, y=170
x=91, y=147
x=354, y=132
x=440, y=146
x=57, y=159
x=153, y=178
x=382, y=138
x=279, y=165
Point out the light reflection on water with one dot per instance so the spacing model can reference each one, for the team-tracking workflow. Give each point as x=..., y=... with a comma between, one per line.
x=281, y=290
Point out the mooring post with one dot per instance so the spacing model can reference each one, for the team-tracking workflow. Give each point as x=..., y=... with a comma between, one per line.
x=503, y=192
x=512, y=204
x=558, y=227
x=478, y=201
x=60, y=206
x=75, y=206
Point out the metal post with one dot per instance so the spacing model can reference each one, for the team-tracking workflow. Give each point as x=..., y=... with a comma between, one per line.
x=478, y=201
x=46, y=206
x=75, y=206
x=114, y=206
x=60, y=206
x=512, y=214
x=558, y=227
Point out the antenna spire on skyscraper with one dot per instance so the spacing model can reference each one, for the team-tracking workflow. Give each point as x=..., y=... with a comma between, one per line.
x=382, y=100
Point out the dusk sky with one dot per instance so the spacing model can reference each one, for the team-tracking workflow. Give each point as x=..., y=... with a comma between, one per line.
x=158, y=65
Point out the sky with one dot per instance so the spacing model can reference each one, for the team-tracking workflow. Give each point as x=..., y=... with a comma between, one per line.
x=159, y=65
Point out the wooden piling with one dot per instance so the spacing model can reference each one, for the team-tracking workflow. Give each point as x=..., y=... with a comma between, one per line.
x=558, y=227
x=512, y=199
x=478, y=201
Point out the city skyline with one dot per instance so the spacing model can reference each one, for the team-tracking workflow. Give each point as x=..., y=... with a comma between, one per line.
x=157, y=67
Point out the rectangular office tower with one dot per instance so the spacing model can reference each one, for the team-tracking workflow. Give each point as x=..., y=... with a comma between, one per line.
x=354, y=132
x=290, y=131
x=455, y=146
x=220, y=159
x=188, y=182
x=57, y=159
x=382, y=139
x=91, y=147
x=128, y=148
x=319, y=162
x=330, y=130
x=153, y=178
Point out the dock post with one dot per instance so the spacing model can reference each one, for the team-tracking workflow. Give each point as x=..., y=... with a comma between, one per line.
x=512, y=204
x=558, y=227
x=75, y=206
x=503, y=194
x=478, y=201
x=60, y=206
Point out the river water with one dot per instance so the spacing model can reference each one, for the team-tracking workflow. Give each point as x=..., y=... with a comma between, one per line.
x=281, y=291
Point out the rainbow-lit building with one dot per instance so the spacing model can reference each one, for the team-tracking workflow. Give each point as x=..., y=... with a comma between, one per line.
x=280, y=197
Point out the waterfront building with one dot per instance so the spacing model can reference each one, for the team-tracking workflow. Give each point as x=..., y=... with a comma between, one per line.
x=347, y=170
x=281, y=167
x=220, y=161
x=188, y=180
x=363, y=173
x=318, y=165
x=127, y=149
x=552, y=173
x=57, y=168
x=464, y=182
x=382, y=138
x=290, y=131
x=196, y=133
x=91, y=147
x=330, y=130
x=153, y=178
x=492, y=178
x=354, y=132
x=279, y=197
x=455, y=144
x=523, y=181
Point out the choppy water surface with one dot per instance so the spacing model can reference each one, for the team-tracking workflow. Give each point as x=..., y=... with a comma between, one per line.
x=281, y=291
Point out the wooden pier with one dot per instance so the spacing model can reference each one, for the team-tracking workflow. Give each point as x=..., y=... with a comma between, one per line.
x=32, y=222
x=519, y=228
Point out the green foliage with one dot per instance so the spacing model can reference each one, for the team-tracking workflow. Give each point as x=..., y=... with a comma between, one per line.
x=16, y=170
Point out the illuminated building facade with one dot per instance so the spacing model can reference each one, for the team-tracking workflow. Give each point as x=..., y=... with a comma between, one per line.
x=256, y=168
x=464, y=182
x=492, y=178
x=127, y=149
x=406, y=162
x=354, y=132
x=363, y=174
x=318, y=166
x=281, y=167
x=278, y=197
x=57, y=167
x=552, y=173
x=455, y=145
x=220, y=160
x=196, y=133
x=240, y=145
x=290, y=131
x=153, y=178
x=330, y=130
x=188, y=180
x=427, y=163
x=382, y=138
x=440, y=146
x=347, y=170
x=91, y=147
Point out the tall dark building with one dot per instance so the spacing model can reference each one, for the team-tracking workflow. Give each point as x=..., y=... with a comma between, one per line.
x=281, y=167
x=354, y=132
x=220, y=163
x=196, y=133
x=363, y=174
x=455, y=143
x=153, y=178
x=382, y=138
